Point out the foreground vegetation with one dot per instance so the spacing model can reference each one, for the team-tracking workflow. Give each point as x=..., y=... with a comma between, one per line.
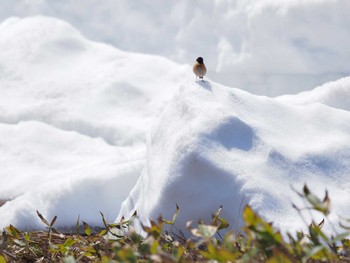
x=258, y=242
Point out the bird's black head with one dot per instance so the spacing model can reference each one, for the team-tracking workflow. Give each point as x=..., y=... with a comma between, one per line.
x=199, y=60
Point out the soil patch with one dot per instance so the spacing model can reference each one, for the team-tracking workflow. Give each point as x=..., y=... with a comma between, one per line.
x=2, y=202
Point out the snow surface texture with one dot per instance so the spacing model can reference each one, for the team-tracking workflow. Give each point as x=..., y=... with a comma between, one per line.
x=269, y=47
x=74, y=115
x=73, y=119
x=215, y=145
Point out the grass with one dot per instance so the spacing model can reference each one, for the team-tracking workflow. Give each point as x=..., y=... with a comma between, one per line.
x=259, y=241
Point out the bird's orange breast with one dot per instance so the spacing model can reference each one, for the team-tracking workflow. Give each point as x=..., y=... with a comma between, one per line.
x=199, y=70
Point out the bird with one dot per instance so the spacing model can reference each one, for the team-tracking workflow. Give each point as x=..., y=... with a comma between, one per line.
x=199, y=68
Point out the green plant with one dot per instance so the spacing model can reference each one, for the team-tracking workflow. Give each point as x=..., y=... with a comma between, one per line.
x=259, y=240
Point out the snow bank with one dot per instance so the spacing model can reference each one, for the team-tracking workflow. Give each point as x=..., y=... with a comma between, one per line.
x=74, y=115
x=270, y=47
x=73, y=119
x=334, y=94
x=215, y=145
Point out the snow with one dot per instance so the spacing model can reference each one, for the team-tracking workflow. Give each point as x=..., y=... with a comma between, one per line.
x=86, y=127
x=334, y=94
x=268, y=47
x=73, y=118
x=215, y=145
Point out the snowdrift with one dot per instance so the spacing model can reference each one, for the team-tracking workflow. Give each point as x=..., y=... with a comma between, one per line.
x=334, y=94
x=73, y=119
x=75, y=114
x=215, y=145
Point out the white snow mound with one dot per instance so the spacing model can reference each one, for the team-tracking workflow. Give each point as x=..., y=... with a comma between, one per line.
x=73, y=120
x=215, y=145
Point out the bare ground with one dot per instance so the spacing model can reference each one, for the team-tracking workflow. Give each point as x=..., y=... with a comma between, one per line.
x=2, y=202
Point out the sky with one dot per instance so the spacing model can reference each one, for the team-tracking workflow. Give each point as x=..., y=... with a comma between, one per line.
x=268, y=47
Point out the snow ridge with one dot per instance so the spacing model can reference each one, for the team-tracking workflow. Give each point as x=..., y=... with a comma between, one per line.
x=215, y=145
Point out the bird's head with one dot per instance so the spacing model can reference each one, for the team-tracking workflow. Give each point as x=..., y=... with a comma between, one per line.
x=199, y=60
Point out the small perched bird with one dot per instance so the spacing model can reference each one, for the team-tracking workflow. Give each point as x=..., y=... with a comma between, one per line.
x=199, y=68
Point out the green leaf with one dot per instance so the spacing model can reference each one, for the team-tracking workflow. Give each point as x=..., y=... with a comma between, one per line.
x=2, y=259
x=54, y=247
x=154, y=230
x=317, y=253
x=13, y=231
x=249, y=216
x=322, y=206
x=346, y=243
x=69, y=242
x=216, y=216
x=154, y=247
x=178, y=253
x=315, y=232
x=135, y=238
x=104, y=220
x=219, y=254
x=170, y=222
x=300, y=235
x=126, y=255
x=87, y=229
x=26, y=237
x=114, y=225
x=223, y=223
x=103, y=232
x=279, y=257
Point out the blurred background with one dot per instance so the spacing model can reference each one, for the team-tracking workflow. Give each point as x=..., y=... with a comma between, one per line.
x=268, y=47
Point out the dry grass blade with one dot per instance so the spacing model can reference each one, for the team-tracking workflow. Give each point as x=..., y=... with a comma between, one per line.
x=42, y=218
